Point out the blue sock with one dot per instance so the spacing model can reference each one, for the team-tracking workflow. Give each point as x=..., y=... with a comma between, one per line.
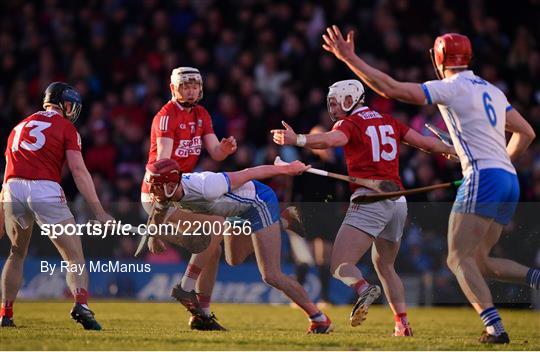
x=533, y=278
x=492, y=321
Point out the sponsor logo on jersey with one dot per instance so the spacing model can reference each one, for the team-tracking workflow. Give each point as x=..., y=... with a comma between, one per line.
x=187, y=147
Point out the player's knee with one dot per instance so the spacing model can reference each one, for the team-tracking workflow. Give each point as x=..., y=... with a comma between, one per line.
x=453, y=260
x=272, y=278
x=233, y=260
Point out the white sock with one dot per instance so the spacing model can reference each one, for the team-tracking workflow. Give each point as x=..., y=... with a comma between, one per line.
x=190, y=278
x=188, y=284
x=318, y=317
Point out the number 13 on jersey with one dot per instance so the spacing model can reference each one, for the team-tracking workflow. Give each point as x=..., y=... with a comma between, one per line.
x=36, y=131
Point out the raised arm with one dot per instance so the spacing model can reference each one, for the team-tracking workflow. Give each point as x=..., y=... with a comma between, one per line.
x=85, y=185
x=522, y=134
x=219, y=150
x=314, y=140
x=379, y=81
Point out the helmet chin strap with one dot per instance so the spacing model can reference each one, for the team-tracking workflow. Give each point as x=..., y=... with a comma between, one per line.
x=187, y=104
x=347, y=112
x=440, y=75
x=360, y=101
x=167, y=194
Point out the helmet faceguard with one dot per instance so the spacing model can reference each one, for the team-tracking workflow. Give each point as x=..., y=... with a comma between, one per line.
x=59, y=94
x=161, y=173
x=181, y=75
x=450, y=51
x=342, y=89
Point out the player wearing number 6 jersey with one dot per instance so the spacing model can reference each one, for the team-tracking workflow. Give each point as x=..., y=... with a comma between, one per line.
x=371, y=143
x=477, y=115
x=36, y=151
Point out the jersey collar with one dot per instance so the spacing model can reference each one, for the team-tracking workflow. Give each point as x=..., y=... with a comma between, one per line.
x=179, y=106
x=466, y=73
x=362, y=108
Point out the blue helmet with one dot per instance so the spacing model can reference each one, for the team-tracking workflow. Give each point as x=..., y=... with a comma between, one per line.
x=60, y=93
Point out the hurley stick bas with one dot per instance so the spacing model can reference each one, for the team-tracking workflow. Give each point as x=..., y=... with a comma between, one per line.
x=376, y=185
x=374, y=197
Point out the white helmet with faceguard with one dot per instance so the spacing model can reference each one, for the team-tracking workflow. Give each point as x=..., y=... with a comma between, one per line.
x=342, y=89
x=181, y=75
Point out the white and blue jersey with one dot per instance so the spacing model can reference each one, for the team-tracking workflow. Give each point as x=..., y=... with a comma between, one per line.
x=210, y=193
x=474, y=111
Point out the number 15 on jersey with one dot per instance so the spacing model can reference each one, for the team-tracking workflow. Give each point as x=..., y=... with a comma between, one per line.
x=386, y=132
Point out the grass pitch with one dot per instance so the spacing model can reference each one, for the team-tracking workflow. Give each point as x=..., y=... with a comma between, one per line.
x=163, y=326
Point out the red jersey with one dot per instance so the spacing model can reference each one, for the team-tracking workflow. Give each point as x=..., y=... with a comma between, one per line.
x=186, y=128
x=36, y=147
x=373, y=148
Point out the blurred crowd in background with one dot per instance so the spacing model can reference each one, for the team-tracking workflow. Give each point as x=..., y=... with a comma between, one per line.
x=262, y=63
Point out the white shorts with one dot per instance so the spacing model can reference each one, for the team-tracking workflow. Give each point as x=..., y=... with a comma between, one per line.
x=40, y=200
x=383, y=219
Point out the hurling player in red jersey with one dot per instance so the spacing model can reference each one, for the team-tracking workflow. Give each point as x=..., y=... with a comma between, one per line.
x=371, y=144
x=35, y=154
x=179, y=131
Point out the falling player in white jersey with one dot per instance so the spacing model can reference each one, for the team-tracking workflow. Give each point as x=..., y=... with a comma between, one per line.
x=477, y=115
x=236, y=194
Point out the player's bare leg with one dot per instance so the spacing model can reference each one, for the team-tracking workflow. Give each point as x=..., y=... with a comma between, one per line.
x=237, y=248
x=383, y=254
x=267, y=245
x=500, y=269
x=465, y=234
x=322, y=250
x=70, y=248
x=350, y=245
x=12, y=273
x=195, y=289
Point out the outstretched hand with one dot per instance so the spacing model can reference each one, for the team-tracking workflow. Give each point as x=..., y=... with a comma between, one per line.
x=228, y=145
x=342, y=48
x=284, y=137
x=296, y=168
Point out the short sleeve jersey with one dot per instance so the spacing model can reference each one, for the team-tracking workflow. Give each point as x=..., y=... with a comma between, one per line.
x=36, y=147
x=185, y=128
x=372, y=151
x=474, y=111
